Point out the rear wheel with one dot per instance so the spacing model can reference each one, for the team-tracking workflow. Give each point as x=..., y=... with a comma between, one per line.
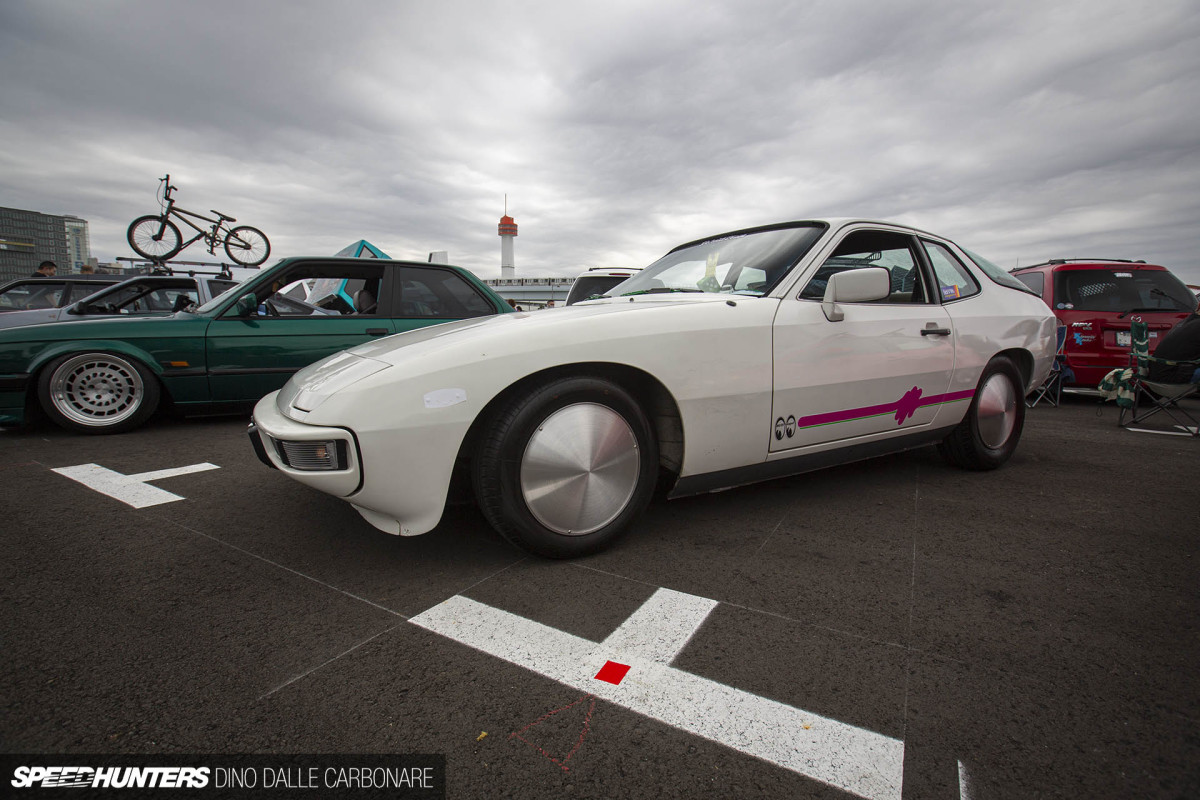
x=98, y=393
x=565, y=468
x=988, y=435
x=247, y=246
x=154, y=238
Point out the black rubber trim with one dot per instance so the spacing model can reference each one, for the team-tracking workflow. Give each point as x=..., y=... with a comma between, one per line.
x=255, y=371
x=257, y=443
x=14, y=383
x=767, y=470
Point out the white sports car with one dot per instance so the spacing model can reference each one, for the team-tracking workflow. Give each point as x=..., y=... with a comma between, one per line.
x=738, y=358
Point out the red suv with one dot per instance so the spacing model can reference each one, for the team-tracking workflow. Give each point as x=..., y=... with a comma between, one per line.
x=1095, y=298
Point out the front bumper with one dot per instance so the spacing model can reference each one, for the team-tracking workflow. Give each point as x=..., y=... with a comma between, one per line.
x=269, y=429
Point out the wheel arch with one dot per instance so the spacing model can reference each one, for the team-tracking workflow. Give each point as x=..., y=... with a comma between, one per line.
x=1023, y=359
x=650, y=393
x=115, y=346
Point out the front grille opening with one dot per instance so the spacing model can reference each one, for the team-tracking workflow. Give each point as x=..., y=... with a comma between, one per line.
x=318, y=456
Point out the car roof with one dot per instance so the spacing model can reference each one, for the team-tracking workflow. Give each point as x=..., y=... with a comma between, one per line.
x=1089, y=263
x=65, y=279
x=832, y=223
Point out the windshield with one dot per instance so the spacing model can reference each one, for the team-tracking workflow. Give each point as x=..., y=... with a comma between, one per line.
x=1121, y=290
x=749, y=263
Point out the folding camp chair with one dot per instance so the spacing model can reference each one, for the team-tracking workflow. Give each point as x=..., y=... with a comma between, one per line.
x=1051, y=388
x=1149, y=397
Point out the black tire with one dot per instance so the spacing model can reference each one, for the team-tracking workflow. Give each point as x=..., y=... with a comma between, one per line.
x=98, y=392
x=990, y=431
x=563, y=469
x=141, y=235
x=247, y=246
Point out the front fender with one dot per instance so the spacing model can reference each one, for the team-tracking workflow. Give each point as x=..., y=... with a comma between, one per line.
x=58, y=349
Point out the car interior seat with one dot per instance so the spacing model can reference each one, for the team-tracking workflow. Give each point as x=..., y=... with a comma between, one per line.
x=364, y=302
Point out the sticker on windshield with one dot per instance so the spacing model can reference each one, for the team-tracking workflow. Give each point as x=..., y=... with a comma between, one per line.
x=950, y=292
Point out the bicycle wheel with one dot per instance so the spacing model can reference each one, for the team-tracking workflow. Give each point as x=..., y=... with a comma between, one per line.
x=247, y=246
x=146, y=240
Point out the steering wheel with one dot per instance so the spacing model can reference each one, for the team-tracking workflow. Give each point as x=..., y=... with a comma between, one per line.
x=272, y=311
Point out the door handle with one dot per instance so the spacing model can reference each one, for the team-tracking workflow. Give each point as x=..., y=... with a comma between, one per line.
x=376, y=331
x=935, y=331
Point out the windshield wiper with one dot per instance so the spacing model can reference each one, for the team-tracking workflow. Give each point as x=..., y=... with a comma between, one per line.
x=661, y=290
x=1124, y=314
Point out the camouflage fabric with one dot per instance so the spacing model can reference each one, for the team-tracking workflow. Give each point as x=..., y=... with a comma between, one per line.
x=1118, y=384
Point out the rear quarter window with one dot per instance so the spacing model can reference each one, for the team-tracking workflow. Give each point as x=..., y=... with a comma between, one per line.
x=1036, y=282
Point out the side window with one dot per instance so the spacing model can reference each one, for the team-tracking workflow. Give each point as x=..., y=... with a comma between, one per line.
x=953, y=279
x=892, y=251
x=336, y=290
x=438, y=294
x=1036, y=281
x=218, y=285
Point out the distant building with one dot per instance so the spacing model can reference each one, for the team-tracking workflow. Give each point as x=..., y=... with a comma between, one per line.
x=79, y=243
x=508, y=232
x=28, y=238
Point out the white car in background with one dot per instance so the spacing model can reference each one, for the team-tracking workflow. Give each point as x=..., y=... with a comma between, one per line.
x=737, y=358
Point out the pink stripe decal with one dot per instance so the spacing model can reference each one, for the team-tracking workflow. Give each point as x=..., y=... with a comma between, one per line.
x=904, y=408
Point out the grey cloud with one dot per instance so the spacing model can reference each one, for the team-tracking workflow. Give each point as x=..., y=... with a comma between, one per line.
x=618, y=130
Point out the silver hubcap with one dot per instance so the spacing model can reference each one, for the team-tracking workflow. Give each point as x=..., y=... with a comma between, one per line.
x=996, y=411
x=96, y=390
x=580, y=469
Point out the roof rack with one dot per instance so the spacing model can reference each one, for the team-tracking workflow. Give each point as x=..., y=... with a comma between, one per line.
x=156, y=267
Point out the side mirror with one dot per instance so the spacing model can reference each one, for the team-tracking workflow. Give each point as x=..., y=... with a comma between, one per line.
x=854, y=286
x=247, y=305
x=78, y=308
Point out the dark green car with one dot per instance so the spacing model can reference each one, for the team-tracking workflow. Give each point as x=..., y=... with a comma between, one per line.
x=109, y=375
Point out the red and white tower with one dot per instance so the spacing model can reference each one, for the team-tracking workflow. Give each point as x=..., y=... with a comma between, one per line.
x=508, y=231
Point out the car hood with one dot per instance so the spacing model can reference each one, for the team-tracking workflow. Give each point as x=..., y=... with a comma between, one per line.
x=105, y=328
x=586, y=320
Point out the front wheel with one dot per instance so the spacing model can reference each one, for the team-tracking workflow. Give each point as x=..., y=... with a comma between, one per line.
x=988, y=435
x=565, y=468
x=247, y=246
x=98, y=393
x=154, y=238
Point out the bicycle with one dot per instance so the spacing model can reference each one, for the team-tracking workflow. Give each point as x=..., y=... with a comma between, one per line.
x=157, y=238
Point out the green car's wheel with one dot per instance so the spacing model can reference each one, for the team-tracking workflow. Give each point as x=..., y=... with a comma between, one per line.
x=98, y=393
x=565, y=468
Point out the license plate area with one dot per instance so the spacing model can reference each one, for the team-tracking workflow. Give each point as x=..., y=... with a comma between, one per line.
x=1124, y=339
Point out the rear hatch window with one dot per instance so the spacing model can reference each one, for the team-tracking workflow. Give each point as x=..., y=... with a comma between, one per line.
x=1097, y=304
x=1121, y=292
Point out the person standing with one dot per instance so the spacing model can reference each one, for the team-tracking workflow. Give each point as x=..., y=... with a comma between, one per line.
x=47, y=269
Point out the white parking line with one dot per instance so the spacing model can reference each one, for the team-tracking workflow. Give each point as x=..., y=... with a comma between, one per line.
x=863, y=762
x=133, y=490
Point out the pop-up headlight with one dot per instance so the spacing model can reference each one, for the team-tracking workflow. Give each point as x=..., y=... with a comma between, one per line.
x=320, y=381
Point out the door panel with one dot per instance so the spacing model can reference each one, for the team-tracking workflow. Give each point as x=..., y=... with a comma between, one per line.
x=248, y=358
x=884, y=367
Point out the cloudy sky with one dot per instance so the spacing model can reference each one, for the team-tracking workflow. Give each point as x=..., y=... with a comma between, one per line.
x=1024, y=131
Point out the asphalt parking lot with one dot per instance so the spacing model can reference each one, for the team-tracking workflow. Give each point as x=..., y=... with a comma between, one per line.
x=896, y=628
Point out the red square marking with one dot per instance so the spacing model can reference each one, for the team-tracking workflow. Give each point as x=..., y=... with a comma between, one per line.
x=612, y=672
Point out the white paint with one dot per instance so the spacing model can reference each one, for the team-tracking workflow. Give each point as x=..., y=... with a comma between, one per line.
x=964, y=783
x=661, y=628
x=863, y=762
x=444, y=398
x=133, y=490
